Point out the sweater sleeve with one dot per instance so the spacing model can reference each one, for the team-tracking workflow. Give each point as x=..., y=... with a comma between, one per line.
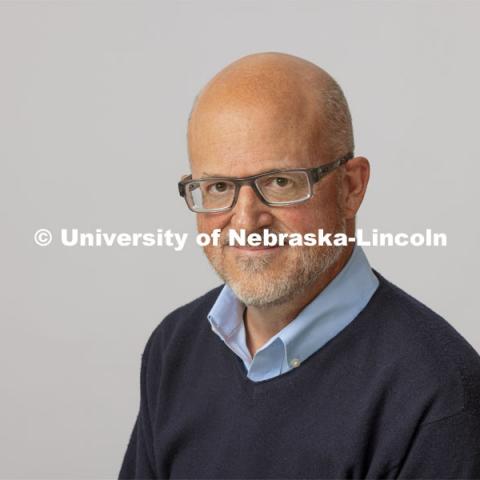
x=138, y=459
x=446, y=448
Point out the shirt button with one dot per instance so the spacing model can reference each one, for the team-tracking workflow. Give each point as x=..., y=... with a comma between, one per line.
x=294, y=362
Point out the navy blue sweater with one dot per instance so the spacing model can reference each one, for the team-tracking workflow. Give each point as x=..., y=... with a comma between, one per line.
x=396, y=394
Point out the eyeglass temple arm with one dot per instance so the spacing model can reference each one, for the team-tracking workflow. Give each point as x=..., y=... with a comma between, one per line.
x=325, y=169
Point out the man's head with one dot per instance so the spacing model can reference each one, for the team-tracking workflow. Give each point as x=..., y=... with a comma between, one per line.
x=266, y=112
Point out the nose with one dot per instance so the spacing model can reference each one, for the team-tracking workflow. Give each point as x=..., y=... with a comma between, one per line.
x=249, y=212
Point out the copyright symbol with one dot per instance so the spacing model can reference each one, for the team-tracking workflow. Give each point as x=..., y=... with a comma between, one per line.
x=43, y=237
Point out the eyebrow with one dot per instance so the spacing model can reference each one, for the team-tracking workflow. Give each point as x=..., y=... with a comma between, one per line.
x=206, y=174
x=213, y=175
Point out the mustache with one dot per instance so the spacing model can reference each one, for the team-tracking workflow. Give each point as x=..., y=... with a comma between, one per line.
x=273, y=233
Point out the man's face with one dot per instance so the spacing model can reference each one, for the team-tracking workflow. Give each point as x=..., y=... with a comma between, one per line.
x=247, y=141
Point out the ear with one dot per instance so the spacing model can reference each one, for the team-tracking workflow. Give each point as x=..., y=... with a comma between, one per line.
x=355, y=181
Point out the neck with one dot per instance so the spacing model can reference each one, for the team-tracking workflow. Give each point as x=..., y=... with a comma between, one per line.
x=262, y=323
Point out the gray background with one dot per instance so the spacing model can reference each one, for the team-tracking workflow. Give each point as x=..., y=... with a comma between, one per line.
x=94, y=98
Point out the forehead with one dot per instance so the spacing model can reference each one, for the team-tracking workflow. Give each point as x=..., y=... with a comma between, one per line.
x=246, y=140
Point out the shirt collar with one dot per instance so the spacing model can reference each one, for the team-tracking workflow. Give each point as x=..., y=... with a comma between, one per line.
x=332, y=309
x=325, y=316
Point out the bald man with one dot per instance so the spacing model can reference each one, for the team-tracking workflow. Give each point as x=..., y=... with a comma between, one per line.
x=306, y=362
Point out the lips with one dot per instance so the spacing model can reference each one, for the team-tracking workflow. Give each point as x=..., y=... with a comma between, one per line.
x=255, y=248
x=251, y=249
x=265, y=239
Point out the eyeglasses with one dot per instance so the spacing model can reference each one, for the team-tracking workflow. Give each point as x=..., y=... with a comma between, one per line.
x=277, y=188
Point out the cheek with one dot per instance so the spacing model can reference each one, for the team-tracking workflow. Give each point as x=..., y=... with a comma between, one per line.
x=309, y=217
x=207, y=223
x=323, y=209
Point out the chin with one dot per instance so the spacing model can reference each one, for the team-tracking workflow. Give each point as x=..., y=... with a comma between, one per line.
x=260, y=297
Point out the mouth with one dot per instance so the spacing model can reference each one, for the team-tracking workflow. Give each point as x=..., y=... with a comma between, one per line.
x=254, y=250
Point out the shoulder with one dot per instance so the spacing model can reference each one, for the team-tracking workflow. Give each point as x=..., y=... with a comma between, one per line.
x=181, y=325
x=417, y=325
x=431, y=357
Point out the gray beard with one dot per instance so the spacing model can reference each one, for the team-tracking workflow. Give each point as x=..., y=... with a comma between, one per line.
x=255, y=284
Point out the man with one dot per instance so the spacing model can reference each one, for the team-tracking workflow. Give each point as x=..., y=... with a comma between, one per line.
x=306, y=363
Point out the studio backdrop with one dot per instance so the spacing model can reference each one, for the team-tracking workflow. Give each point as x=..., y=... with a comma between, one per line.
x=95, y=97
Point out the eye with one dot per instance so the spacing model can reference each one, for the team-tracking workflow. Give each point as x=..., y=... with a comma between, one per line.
x=278, y=182
x=281, y=181
x=217, y=187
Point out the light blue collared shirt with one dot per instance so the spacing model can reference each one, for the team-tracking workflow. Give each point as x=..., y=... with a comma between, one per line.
x=323, y=318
